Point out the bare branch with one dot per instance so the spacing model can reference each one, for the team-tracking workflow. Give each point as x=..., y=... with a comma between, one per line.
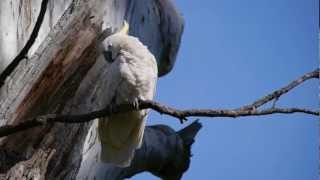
x=180, y=114
x=23, y=53
x=183, y=114
x=276, y=94
x=162, y=109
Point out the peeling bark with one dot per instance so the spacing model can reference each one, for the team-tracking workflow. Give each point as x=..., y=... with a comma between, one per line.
x=65, y=75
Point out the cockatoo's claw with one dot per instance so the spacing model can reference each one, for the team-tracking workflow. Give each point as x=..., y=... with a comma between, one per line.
x=183, y=119
x=135, y=103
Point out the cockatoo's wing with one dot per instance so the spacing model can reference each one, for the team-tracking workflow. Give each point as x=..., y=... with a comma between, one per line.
x=129, y=77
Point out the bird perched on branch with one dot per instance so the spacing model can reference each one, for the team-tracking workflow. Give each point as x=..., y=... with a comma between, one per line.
x=132, y=75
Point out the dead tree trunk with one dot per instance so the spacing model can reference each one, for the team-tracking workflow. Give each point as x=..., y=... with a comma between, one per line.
x=65, y=75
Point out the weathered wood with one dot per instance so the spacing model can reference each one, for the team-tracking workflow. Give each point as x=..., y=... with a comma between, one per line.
x=63, y=76
x=45, y=81
x=17, y=19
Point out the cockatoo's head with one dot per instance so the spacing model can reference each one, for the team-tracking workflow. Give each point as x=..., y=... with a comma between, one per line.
x=112, y=44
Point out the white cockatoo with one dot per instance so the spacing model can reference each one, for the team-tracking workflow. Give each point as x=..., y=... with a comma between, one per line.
x=132, y=75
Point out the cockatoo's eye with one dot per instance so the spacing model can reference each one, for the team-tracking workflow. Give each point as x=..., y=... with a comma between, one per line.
x=108, y=56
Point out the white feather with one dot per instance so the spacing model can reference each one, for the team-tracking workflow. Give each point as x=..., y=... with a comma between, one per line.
x=132, y=75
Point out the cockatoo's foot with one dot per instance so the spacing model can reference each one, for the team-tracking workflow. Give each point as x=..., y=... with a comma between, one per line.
x=135, y=103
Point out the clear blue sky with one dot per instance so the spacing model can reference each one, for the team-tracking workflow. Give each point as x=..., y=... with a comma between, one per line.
x=232, y=53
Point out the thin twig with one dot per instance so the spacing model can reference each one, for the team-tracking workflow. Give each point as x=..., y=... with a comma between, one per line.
x=276, y=94
x=183, y=114
x=24, y=51
x=162, y=109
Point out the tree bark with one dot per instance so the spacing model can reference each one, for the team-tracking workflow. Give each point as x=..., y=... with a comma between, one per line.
x=65, y=74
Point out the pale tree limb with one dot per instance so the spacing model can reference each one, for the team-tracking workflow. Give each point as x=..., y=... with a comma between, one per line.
x=164, y=153
x=249, y=110
x=24, y=51
x=57, y=79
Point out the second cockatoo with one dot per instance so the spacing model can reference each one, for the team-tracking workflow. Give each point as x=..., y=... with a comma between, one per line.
x=132, y=75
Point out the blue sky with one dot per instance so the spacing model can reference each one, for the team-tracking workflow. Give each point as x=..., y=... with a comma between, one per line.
x=232, y=53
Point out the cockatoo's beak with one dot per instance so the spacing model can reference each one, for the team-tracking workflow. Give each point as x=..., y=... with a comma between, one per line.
x=124, y=29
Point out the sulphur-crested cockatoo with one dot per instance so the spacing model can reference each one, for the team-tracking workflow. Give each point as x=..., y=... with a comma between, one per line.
x=132, y=75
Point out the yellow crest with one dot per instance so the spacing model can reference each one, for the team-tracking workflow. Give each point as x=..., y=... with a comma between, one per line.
x=125, y=28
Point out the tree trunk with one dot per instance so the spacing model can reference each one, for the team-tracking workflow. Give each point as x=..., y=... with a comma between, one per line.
x=65, y=75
